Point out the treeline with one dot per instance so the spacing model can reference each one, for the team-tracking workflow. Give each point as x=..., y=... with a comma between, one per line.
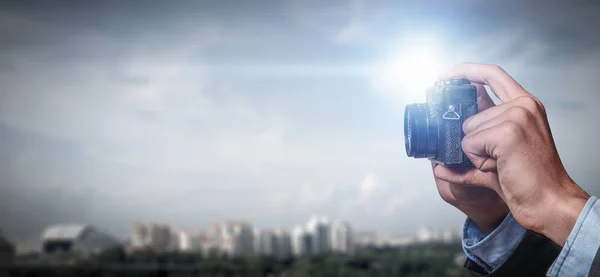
x=410, y=261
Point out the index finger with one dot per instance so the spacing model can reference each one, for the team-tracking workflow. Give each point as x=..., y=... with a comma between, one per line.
x=502, y=84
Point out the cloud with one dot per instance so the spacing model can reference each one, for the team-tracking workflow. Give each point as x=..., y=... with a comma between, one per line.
x=340, y=22
x=368, y=187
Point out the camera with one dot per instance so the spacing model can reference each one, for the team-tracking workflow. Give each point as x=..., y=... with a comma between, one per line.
x=433, y=129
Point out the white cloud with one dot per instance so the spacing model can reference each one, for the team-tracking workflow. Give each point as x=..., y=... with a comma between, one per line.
x=369, y=187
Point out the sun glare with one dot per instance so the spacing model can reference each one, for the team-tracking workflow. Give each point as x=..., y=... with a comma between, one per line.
x=408, y=72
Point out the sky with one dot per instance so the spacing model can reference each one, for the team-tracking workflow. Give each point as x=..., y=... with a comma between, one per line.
x=192, y=112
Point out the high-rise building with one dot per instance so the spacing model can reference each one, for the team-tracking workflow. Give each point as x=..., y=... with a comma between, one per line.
x=283, y=244
x=210, y=243
x=160, y=237
x=256, y=241
x=298, y=241
x=232, y=238
x=267, y=242
x=243, y=240
x=342, y=240
x=184, y=240
x=140, y=236
x=190, y=240
x=319, y=229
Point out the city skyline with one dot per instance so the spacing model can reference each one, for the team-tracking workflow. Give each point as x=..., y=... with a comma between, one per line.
x=337, y=236
x=191, y=112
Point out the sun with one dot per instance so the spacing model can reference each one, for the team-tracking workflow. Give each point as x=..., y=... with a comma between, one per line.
x=412, y=68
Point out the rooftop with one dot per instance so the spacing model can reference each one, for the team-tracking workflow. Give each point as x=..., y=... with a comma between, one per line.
x=64, y=231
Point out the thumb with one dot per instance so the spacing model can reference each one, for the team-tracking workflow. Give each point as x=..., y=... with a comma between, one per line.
x=467, y=176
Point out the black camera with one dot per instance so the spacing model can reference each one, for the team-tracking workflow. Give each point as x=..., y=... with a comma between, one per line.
x=433, y=129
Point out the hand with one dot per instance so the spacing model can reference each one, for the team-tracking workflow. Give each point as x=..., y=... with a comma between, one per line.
x=514, y=140
x=480, y=203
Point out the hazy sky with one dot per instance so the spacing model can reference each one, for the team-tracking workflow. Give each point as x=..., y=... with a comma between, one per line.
x=190, y=112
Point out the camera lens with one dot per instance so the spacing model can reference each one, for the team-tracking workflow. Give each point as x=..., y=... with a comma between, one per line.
x=420, y=133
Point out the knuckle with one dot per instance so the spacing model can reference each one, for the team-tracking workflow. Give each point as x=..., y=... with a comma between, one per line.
x=511, y=129
x=532, y=104
x=519, y=114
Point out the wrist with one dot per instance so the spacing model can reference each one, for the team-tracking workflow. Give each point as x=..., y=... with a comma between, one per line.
x=487, y=218
x=489, y=224
x=562, y=211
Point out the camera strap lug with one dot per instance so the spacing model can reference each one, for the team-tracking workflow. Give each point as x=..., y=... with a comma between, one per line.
x=451, y=114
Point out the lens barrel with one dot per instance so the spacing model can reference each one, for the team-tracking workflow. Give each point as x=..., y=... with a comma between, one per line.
x=420, y=132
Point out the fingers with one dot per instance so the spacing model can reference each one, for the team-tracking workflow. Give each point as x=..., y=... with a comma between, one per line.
x=476, y=120
x=483, y=146
x=502, y=84
x=466, y=176
x=483, y=98
x=514, y=113
x=518, y=108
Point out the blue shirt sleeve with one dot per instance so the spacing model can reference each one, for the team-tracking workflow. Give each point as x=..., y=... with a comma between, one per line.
x=491, y=251
x=575, y=259
x=579, y=251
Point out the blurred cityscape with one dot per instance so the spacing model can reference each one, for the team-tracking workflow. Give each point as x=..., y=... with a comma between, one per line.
x=318, y=247
x=232, y=238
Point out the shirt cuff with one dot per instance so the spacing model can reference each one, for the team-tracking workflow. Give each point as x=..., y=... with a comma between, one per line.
x=491, y=251
x=579, y=251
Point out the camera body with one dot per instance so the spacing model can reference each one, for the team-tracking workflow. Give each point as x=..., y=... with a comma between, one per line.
x=433, y=129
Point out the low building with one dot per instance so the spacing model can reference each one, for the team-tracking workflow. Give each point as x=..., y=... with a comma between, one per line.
x=76, y=238
x=7, y=251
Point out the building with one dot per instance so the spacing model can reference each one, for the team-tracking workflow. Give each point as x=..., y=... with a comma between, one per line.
x=267, y=242
x=7, y=250
x=76, y=238
x=301, y=241
x=160, y=237
x=320, y=231
x=256, y=241
x=231, y=238
x=155, y=236
x=243, y=240
x=283, y=244
x=210, y=245
x=190, y=240
x=342, y=240
x=450, y=236
x=140, y=237
x=426, y=234
x=395, y=241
